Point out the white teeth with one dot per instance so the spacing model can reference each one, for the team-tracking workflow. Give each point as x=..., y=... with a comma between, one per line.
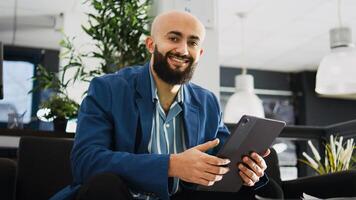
x=177, y=59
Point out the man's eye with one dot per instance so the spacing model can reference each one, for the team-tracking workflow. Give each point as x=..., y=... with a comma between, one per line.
x=174, y=39
x=193, y=43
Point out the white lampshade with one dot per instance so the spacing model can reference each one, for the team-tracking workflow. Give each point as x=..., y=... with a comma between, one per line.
x=337, y=71
x=244, y=101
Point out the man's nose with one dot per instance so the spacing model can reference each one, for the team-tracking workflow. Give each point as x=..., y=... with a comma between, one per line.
x=182, y=49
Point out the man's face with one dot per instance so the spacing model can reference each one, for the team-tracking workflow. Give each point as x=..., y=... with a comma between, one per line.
x=179, y=71
x=176, y=49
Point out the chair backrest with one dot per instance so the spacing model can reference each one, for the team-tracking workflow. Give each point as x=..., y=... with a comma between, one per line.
x=43, y=167
x=7, y=178
x=273, y=167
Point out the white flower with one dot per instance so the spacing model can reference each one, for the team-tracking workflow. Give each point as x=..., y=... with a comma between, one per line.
x=311, y=160
x=326, y=161
x=348, y=153
x=339, y=148
x=338, y=156
x=332, y=147
x=342, y=157
x=315, y=152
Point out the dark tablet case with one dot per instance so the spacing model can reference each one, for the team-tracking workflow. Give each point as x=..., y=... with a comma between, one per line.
x=251, y=134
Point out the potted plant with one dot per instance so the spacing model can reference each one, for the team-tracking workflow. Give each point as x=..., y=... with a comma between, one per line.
x=59, y=107
x=338, y=156
x=117, y=30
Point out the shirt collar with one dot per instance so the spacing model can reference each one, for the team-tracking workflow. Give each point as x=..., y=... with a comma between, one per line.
x=154, y=93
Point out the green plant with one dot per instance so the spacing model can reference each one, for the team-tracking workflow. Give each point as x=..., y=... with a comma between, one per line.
x=59, y=105
x=338, y=156
x=118, y=30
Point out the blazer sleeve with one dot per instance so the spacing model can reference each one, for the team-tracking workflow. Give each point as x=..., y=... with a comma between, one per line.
x=92, y=151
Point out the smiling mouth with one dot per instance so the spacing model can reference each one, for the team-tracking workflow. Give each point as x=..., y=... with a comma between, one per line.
x=178, y=61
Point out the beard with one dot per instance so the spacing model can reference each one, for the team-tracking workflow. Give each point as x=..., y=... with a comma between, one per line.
x=169, y=75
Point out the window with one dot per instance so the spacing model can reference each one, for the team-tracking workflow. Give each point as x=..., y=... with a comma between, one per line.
x=17, y=83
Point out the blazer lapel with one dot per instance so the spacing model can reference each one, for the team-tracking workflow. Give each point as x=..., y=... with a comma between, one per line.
x=145, y=107
x=191, y=118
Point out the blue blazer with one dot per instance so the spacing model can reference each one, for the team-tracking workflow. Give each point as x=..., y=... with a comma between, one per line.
x=114, y=127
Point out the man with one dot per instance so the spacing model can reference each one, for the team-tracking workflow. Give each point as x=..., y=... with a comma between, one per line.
x=143, y=132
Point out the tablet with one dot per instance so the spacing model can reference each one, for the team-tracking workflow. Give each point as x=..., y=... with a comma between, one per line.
x=251, y=134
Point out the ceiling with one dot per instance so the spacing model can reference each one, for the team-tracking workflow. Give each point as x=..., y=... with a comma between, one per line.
x=38, y=11
x=280, y=35
x=35, y=7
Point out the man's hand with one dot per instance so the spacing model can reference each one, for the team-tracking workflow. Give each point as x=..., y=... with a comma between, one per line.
x=195, y=166
x=253, y=168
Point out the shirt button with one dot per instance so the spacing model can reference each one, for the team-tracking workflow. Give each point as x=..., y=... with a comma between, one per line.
x=167, y=125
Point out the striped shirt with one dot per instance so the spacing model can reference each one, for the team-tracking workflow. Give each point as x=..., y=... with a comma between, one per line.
x=167, y=134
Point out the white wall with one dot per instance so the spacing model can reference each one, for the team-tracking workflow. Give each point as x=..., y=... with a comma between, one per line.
x=35, y=23
x=73, y=20
x=207, y=74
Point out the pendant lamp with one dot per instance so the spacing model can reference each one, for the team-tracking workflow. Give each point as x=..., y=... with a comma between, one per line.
x=336, y=75
x=244, y=101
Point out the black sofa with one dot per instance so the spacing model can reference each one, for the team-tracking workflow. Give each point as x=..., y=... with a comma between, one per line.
x=43, y=168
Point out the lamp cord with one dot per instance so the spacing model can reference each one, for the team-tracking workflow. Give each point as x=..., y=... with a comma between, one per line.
x=14, y=24
x=339, y=13
x=242, y=17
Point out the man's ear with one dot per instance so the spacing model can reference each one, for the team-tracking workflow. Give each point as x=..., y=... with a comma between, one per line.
x=150, y=44
x=201, y=51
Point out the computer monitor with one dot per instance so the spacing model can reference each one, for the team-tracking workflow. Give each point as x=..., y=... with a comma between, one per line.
x=1, y=79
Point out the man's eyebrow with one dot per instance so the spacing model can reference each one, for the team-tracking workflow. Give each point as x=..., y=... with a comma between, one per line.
x=194, y=37
x=175, y=33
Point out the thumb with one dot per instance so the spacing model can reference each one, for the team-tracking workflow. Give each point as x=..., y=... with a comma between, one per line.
x=207, y=145
x=266, y=153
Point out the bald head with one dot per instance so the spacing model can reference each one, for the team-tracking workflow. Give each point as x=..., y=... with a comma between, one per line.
x=178, y=21
x=175, y=45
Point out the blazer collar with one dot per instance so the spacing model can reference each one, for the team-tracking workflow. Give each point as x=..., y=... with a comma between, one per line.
x=143, y=85
x=191, y=116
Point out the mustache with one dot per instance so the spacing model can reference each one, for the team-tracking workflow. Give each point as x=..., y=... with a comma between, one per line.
x=185, y=57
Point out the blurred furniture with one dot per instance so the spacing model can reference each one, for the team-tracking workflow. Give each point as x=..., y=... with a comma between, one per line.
x=43, y=168
x=340, y=184
x=10, y=139
x=7, y=178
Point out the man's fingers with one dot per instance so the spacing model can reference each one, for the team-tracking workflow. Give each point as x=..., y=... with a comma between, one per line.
x=253, y=166
x=211, y=177
x=204, y=182
x=249, y=173
x=207, y=145
x=213, y=160
x=247, y=181
x=259, y=160
x=216, y=170
x=267, y=152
